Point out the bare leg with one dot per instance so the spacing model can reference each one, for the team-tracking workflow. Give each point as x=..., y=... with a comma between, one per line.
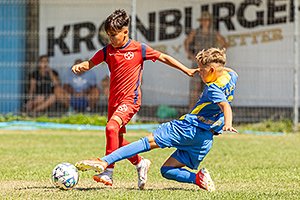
x=30, y=106
x=62, y=96
x=172, y=162
x=46, y=104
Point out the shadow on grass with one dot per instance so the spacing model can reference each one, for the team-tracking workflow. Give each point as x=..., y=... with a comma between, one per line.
x=102, y=188
x=155, y=189
x=89, y=189
x=36, y=187
x=172, y=189
x=55, y=188
x=149, y=188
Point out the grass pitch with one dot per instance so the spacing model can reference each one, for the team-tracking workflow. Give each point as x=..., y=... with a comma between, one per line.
x=242, y=166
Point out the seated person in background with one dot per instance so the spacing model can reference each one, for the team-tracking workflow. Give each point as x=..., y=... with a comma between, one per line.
x=105, y=86
x=79, y=92
x=41, y=88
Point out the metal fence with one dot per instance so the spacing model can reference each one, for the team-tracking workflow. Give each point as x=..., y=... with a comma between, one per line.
x=261, y=39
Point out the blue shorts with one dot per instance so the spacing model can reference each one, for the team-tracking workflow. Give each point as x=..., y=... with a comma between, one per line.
x=192, y=143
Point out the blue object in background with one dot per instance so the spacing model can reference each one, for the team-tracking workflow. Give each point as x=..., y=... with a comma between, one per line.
x=79, y=103
x=12, y=54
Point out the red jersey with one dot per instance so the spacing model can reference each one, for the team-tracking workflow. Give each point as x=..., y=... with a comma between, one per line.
x=125, y=65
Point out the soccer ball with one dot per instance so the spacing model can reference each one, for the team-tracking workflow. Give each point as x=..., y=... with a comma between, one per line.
x=65, y=176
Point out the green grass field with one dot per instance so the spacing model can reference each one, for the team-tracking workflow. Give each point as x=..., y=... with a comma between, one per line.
x=242, y=166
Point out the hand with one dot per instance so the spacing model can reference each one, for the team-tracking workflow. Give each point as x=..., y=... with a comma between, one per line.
x=191, y=72
x=78, y=69
x=229, y=129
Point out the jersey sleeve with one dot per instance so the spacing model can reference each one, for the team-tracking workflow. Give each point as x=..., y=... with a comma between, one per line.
x=98, y=57
x=150, y=54
x=234, y=76
x=215, y=94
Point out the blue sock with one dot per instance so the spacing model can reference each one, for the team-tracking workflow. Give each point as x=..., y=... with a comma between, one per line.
x=178, y=174
x=128, y=151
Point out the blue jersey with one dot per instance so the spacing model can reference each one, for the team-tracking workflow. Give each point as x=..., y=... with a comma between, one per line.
x=206, y=114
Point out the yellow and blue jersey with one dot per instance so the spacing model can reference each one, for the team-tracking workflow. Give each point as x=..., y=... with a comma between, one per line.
x=206, y=114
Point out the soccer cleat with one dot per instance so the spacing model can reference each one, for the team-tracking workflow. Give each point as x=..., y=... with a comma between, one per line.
x=105, y=177
x=204, y=181
x=142, y=169
x=92, y=164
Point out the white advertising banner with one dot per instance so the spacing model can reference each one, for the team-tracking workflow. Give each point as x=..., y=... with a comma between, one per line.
x=259, y=35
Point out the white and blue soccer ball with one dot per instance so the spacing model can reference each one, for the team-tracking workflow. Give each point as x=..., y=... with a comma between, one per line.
x=65, y=176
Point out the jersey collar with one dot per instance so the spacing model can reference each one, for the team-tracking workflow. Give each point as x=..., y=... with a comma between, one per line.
x=125, y=45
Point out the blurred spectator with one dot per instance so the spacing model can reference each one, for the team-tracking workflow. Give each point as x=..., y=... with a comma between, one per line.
x=41, y=87
x=203, y=37
x=79, y=92
x=105, y=86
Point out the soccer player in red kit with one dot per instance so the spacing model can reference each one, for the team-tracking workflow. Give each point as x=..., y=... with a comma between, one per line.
x=124, y=58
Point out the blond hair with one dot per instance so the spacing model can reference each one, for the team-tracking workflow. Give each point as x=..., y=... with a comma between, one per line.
x=211, y=55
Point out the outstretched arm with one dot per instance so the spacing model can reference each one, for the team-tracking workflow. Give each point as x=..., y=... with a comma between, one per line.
x=32, y=88
x=169, y=60
x=82, y=67
x=226, y=108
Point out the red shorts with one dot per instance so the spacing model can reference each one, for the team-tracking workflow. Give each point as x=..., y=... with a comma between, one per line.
x=125, y=111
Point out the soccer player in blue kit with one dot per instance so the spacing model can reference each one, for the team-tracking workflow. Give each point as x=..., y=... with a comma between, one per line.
x=191, y=135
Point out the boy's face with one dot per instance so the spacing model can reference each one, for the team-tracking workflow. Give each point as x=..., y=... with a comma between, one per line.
x=118, y=38
x=207, y=72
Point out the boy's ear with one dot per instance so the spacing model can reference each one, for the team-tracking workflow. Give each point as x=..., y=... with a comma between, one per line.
x=126, y=31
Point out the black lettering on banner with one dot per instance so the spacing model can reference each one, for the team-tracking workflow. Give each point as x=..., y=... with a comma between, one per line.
x=273, y=9
x=165, y=24
x=52, y=41
x=226, y=19
x=77, y=38
x=204, y=8
x=241, y=14
x=188, y=20
x=149, y=33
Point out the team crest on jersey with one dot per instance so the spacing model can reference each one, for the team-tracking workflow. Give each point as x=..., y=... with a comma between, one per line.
x=128, y=55
x=122, y=108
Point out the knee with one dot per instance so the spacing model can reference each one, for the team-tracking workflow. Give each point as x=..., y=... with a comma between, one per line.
x=164, y=170
x=112, y=127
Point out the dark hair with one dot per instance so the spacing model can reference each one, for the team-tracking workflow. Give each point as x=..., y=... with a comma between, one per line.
x=117, y=20
x=41, y=57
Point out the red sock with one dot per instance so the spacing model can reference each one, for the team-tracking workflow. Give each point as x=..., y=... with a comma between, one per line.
x=134, y=159
x=112, y=137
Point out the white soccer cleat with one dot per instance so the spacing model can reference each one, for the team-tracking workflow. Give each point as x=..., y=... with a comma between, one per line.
x=91, y=164
x=204, y=181
x=142, y=169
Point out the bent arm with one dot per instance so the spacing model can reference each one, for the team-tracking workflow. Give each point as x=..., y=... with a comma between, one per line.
x=169, y=60
x=32, y=88
x=226, y=108
x=54, y=77
x=83, y=67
